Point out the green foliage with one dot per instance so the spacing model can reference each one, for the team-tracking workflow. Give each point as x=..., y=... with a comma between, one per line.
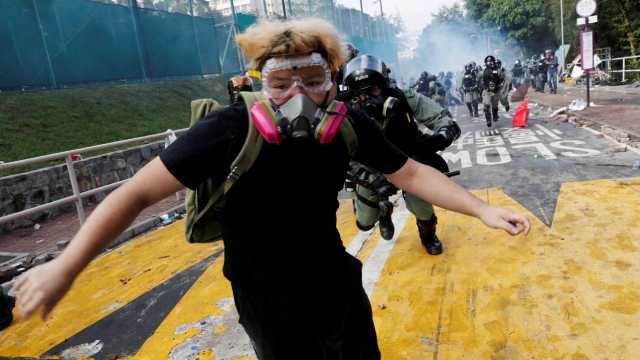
x=40, y=123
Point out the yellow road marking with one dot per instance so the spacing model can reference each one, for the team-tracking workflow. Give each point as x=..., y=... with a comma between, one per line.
x=569, y=292
x=85, y=303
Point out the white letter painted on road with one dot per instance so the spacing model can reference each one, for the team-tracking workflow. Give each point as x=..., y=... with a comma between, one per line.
x=586, y=152
x=540, y=148
x=504, y=156
x=463, y=156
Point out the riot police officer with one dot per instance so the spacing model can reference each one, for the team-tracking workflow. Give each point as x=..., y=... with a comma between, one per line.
x=541, y=76
x=422, y=84
x=237, y=84
x=492, y=79
x=436, y=89
x=390, y=108
x=352, y=52
x=533, y=72
x=469, y=87
x=504, y=100
x=516, y=74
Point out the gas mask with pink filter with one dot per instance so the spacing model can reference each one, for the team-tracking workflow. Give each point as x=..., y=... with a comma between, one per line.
x=299, y=118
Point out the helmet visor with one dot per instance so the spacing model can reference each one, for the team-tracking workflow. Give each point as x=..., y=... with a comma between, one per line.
x=366, y=62
x=282, y=73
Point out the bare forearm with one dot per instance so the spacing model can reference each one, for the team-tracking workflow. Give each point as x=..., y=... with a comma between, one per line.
x=434, y=187
x=105, y=224
x=151, y=184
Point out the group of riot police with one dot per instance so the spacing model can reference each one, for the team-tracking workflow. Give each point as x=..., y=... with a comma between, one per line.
x=541, y=70
x=438, y=88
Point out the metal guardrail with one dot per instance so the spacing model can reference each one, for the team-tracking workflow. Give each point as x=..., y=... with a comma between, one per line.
x=624, y=70
x=77, y=195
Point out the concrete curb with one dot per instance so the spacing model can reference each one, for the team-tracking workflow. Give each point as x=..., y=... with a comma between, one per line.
x=597, y=123
x=145, y=225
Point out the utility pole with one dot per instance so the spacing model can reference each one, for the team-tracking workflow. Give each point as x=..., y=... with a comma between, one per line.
x=562, y=31
x=284, y=10
x=361, y=21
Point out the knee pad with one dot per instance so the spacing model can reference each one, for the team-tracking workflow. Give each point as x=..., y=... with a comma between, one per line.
x=364, y=228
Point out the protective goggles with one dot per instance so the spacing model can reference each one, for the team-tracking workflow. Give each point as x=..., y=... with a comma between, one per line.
x=281, y=73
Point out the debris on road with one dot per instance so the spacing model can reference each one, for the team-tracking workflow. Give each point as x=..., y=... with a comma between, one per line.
x=122, y=282
x=577, y=105
x=636, y=166
x=36, y=226
x=600, y=136
x=62, y=244
x=620, y=148
x=382, y=306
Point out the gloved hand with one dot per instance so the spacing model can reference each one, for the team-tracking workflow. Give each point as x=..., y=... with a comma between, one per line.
x=432, y=143
x=450, y=132
x=383, y=187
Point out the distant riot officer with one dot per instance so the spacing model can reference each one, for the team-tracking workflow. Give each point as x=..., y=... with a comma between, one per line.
x=516, y=74
x=343, y=93
x=436, y=89
x=441, y=77
x=237, y=84
x=533, y=72
x=422, y=84
x=492, y=79
x=469, y=87
x=504, y=100
x=541, y=75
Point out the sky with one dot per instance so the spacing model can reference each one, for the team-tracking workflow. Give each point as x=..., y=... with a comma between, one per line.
x=416, y=13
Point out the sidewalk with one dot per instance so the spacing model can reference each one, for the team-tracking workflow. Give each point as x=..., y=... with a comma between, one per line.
x=65, y=226
x=620, y=105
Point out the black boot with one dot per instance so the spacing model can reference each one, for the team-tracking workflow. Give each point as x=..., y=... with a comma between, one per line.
x=470, y=109
x=495, y=114
x=542, y=88
x=487, y=115
x=507, y=107
x=475, y=109
x=386, y=225
x=428, y=236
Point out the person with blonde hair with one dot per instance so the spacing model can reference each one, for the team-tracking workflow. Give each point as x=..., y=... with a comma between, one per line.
x=298, y=292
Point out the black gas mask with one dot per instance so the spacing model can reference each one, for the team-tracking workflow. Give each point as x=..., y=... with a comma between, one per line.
x=380, y=105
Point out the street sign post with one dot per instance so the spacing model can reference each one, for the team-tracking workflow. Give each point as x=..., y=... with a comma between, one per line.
x=586, y=8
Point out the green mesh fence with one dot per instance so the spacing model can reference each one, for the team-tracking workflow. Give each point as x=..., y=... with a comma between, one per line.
x=57, y=44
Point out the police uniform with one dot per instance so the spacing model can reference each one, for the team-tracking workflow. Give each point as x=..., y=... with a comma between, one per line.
x=516, y=75
x=533, y=72
x=422, y=86
x=492, y=79
x=402, y=131
x=438, y=92
x=504, y=100
x=468, y=86
x=541, y=76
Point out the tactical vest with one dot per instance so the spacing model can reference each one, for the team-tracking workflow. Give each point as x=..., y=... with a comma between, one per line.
x=469, y=81
x=439, y=88
x=491, y=79
x=542, y=67
x=517, y=70
x=423, y=86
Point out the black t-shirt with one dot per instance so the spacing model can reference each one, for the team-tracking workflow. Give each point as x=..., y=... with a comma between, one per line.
x=279, y=220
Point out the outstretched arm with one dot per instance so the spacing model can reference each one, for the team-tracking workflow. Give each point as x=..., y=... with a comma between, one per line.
x=434, y=187
x=47, y=284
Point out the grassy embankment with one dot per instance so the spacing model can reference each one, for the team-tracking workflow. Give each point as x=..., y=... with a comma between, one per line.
x=40, y=123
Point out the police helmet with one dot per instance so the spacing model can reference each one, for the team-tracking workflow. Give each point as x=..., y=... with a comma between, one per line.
x=240, y=83
x=432, y=78
x=449, y=74
x=541, y=56
x=548, y=52
x=352, y=52
x=393, y=84
x=479, y=68
x=473, y=63
x=469, y=67
x=424, y=75
x=366, y=71
x=490, y=61
x=441, y=73
x=517, y=62
x=499, y=62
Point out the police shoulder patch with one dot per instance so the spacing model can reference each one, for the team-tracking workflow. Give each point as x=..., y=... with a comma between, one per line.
x=408, y=93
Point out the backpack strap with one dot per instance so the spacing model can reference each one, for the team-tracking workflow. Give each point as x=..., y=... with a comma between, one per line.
x=348, y=134
x=245, y=159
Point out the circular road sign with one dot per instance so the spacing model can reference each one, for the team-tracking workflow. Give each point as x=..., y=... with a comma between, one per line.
x=586, y=8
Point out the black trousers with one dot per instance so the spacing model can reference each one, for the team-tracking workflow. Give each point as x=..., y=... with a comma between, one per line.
x=325, y=318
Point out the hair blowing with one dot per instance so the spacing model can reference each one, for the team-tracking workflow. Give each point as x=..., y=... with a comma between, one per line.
x=276, y=38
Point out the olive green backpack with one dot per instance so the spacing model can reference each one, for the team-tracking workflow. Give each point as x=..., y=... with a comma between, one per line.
x=204, y=204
